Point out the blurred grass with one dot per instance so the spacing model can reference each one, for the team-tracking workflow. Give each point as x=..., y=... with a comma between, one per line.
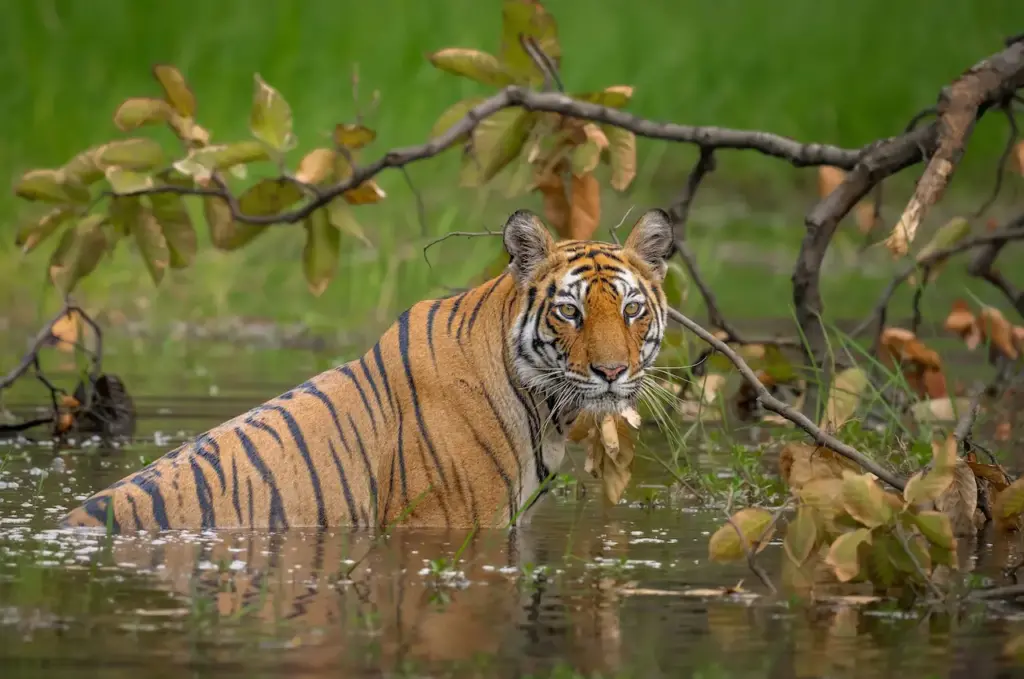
x=841, y=73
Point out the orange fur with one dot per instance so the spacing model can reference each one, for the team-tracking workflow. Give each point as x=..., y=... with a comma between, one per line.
x=449, y=420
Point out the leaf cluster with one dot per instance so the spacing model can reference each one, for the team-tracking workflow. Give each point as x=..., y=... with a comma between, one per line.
x=132, y=189
x=558, y=154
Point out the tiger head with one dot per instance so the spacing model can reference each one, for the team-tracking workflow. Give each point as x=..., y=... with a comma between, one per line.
x=592, y=314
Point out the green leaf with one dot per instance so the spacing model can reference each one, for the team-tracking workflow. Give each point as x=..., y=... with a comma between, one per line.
x=225, y=233
x=621, y=156
x=32, y=234
x=50, y=186
x=844, y=554
x=585, y=157
x=801, y=535
x=1009, y=504
x=936, y=528
x=616, y=96
x=176, y=90
x=78, y=253
x=885, y=553
x=527, y=18
x=480, y=66
x=176, y=224
x=132, y=154
x=864, y=500
x=676, y=284
x=752, y=522
x=126, y=181
x=224, y=156
x=84, y=169
x=320, y=254
x=269, y=196
x=125, y=212
x=353, y=136
x=341, y=217
x=270, y=119
x=136, y=112
x=948, y=235
x=152, y=244
x=497, y=141
x=454, y=114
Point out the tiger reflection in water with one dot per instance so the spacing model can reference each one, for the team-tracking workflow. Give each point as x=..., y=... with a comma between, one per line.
x=345, y=602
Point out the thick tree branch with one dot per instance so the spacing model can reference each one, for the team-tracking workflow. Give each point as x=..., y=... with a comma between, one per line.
x=988, y=83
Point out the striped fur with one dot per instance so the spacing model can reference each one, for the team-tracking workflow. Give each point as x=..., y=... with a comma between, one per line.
x=456, y=417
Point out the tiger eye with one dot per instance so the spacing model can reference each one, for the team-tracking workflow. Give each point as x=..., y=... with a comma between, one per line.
x=632, y=309
x=568, y=310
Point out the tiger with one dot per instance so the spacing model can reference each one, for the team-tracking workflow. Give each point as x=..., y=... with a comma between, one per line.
x=457, y=417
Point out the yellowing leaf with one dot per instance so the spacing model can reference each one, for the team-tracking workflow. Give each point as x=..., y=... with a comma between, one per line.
x=801, y=535
x=753, y=522
x=585, y=157
x=844, y=397
x=615, y=96
x=124, y=213
x=366, y=193
x=320, y=254
x=480, y=66
x=84, y=169
x=224, y=156
x=176, y=225
x=527, y=18
x=621, y=156
x=176, y=90
x=124, y=181
x=843, y=555
x=341, y=217
x=585, y=207
x=610, y=452
x=948, y=235
x=353, y=136
x=1009, y=504
x=132, y=154
x=269, y=197
x=78, y=253
x=936, y=528
x=801, y=463
x=152, y=244
x=452, y=115
x=225, y=233
x=270, y=119
x=864, y=500
x=317, y=166
x=31, y=234
x=496, y=142
x=49, y=186
x=139, y=111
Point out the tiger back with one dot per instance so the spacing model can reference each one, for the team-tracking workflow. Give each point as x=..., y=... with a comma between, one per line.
x=455, y=418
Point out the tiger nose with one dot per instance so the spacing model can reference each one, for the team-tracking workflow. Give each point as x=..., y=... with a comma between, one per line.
x=608, y=371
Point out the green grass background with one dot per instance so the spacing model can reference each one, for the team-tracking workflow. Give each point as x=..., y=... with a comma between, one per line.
x=844, y=73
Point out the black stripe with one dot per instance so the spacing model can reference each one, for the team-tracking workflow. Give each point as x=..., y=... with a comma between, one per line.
x=135, y=512
x=373, y=384
x=277, y=515
x=430, y=328
x=480, y=303
x=451, y=314
x=314, y=477
x=344, y=483
x=151, y=488
x=401, y=455
x=99, y=507
x=204, y=496
x=234, y=491
x=370, y=476
x=345, y=370
x=383, y=374
x=403, y=350
x=212, y=457
x=510, y=492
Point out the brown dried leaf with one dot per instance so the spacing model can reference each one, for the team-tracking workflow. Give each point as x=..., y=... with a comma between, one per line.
x=960, y=499
x=993, y=473
x=366, y=193
x=585, y=207
x=556, y=202
x=621, y=156
x=353, y=136
x=998, y=331
x=610, y=451
x=829, y=177
x=317, y=166
x=801, y=463
x=1018, y=156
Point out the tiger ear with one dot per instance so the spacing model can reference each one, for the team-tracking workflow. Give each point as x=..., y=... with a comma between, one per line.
x=652, y=239
x=527, y=242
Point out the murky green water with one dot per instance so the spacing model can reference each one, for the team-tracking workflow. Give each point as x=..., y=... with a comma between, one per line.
x=584, y=590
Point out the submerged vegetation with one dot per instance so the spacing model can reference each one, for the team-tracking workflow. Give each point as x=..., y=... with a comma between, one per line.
x=845, y=465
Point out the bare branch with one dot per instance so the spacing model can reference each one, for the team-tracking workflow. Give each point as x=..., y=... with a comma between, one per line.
x=1004, y=158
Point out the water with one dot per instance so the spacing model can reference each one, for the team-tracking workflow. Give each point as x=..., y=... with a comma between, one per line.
x=585, y=590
